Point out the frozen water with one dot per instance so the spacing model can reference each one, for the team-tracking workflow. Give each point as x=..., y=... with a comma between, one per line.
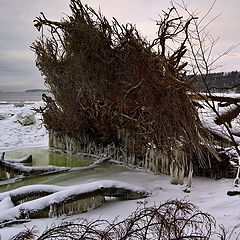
x=13, y=134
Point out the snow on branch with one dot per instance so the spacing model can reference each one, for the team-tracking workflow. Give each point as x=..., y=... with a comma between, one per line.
x=17, y=167
x=63, y=200
x=27, y=159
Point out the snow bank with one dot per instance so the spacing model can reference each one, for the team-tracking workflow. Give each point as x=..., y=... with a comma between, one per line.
x=13, y=134
x=6, y=203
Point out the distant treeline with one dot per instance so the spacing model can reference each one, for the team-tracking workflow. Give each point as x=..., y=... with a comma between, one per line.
x=218, y=82
x=36, y=90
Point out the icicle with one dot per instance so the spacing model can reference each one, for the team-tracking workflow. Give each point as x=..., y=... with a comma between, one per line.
x=190, y=173
x=27, y=216
x=157, y=168
x=237, y=179
x=153, y=159
x=152, y=167
x=146, y=158
x=174, y=173
x=181, y=176
x=51, y=213
x=165, y=164
x=180, y=158
x=78, y=206
x=8, y=176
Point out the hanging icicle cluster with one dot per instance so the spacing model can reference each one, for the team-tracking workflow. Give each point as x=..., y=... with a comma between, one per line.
x=112, y=86
x=78, y=206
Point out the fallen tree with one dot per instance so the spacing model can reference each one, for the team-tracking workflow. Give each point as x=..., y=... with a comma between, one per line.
x=115, y=93
x=26, y=193
x=63, y=200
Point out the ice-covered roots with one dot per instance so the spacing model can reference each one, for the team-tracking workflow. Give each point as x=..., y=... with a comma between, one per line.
x=53, y=201
x=158, y=162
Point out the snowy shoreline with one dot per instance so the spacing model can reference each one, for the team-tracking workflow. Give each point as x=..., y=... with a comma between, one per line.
x=208, y=194
x=14, y=135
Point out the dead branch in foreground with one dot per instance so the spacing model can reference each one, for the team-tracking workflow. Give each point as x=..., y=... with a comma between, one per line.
x=173, y=220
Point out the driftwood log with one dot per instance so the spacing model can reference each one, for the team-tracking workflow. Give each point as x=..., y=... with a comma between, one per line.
x=28, y=193
x=19, y=169
x=233, y=193
x=228, y=116
x=64, y=200
x=202, y=97
x=27, y=159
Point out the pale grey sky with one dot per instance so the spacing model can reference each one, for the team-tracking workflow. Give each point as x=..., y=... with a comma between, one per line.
x=17, y=62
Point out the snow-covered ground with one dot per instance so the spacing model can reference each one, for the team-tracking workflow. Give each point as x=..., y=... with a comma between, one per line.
x=208, y=194
x=13, y=134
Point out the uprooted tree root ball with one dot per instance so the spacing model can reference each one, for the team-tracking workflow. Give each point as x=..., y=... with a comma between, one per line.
x=112, y=86
x=173, y=220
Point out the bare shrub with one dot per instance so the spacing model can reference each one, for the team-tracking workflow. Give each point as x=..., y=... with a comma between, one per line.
x=27, y=234
x=171, y=220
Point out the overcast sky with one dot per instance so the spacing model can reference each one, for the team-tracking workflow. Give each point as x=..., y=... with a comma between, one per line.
x=17, y=62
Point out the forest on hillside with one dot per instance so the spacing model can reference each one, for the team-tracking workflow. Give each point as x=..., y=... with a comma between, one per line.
x=221, y=82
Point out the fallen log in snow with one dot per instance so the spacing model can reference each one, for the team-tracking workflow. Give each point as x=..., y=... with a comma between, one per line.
x=64, y=200
x=27, y=193
x=27, y=159
x=228, y=116
x=93, y=165
x=19, y=169
x=202, y=97
x=233, y=193
x=11, y=180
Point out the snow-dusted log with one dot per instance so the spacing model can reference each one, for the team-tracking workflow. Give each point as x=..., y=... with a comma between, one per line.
x=28, y=193
x=27, y=159
x=65, y=200
x=233, y=193
x=11, y=180
x=228, y=116
x=19, y=168
x=229, y=100
x=97, y=163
